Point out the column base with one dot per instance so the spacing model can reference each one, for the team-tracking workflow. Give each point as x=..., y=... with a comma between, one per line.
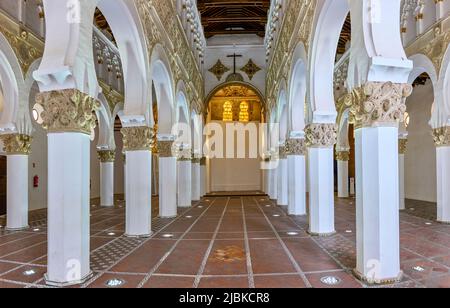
x=168, y=217
x=17, y=229
x=372, y=281
x=444, y=222
x=321, y=234
x=67, y=284
x=139, y=236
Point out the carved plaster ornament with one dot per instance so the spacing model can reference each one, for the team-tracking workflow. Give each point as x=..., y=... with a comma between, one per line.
x=17, y=144
x=296, y=147
x=321, y=135
x=106, y=156
x=342, y=156
x=137, y=138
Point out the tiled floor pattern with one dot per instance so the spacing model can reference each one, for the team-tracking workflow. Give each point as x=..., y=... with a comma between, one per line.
x=229, y=242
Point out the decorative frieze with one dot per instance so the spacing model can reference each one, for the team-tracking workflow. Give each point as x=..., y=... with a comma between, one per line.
x=384, y=104
x=343, y=156
x=196, y=159
x=442, y=136
x=166, y=148
x=17, y=144
x=402, y=146
x=296, y=147
x=138, y=138
x=68, y=111
x=106, y=156
x=321, y=135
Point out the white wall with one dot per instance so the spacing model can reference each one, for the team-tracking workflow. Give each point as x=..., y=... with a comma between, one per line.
x=250, y=47
x=420, y=159
x=235, y=174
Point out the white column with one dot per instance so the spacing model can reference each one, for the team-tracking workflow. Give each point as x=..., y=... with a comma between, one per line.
x=401, y=167
x=17, y=148
x=167, y=180
x=377, y=182
x=196, y=179
x=342, y=158
x=185, y=183
x=274, y=179
x=138, y=175
x=17, y=192
x=106, y=177
x=124, y=157
x=297, y=177
x=283, y=196
x=203, y=177
x=443, y=183
x=68, y=244
x=68, y=208
x=377, y=202
x=322, y=138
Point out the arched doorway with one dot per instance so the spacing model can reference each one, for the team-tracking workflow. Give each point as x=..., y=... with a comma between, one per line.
x=233, y=141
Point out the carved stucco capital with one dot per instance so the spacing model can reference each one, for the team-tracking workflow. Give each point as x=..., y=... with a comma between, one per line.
x=166, y=149
x=296, y=147
x=383, y=104
x=17, y=144
x=321, y=135
x=342, y=156
x=106, y=156
x=402, y=146
x=138, y=138
x=184, y=154
x=442, y=136
x=68, y=111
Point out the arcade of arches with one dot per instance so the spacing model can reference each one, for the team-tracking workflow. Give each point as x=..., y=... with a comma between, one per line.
x=176, y=143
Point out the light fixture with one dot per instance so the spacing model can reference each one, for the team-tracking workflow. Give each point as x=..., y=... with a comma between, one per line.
x=188, y=217
x=428, y=223
x=29, y=272
x=244, y=116
x=292, y=233
x=276, y=215
x=167, y=235
x=419, y=269
x=349, y=231
x=330, y=280
x=36, y=230
x=111, y=234
x=227, y=112
x=115, y=283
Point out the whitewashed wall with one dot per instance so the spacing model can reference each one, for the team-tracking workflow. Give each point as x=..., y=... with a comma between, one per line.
x=250, y=47
x=420, y=159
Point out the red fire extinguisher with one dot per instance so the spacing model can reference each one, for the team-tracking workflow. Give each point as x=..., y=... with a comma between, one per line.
x=36, y=181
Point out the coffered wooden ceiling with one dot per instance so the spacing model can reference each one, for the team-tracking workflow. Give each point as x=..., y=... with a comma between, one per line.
x=234, y=16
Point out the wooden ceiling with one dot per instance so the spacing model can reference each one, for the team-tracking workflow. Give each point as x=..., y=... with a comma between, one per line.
x=234, y=16
x=346, y=35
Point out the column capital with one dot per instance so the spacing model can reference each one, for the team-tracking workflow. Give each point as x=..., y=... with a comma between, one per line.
x=106, y=156
x=196, y=158
x=282, y=151
x=139, y=138
x=321, y=135
x=203, y=161
x=296, y=147
x=68, y=110
x=343, y=156
x=402, y=146
x=441, y=136
x=381, y=104
x=17, y=144
x=166, y=148
x=184, y=154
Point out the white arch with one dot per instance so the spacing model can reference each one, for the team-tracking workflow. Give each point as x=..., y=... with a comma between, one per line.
x=327, y=28
x=106, y=139
x=182, y=110
x=282, y=114
x=441, y=109
x=162, y=80
x=124, y=20
x=343, y=143
x=11, y=82
x=298, y=88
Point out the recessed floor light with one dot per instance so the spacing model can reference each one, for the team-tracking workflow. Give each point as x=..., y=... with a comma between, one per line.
x=268, y=205
x=115, y=283
x=419, y=269
x=330, y=281
x=167, y=235
x=276, y=215
x=111, y=234
x=428, y=223
x=200, y=206
x=292, y=233
x=29, y=273
x=349, y=231
x=36, y=230
x=188, y=217
x=412, y=209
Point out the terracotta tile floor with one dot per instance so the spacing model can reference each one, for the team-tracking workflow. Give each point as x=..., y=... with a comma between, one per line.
x=228, y=242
